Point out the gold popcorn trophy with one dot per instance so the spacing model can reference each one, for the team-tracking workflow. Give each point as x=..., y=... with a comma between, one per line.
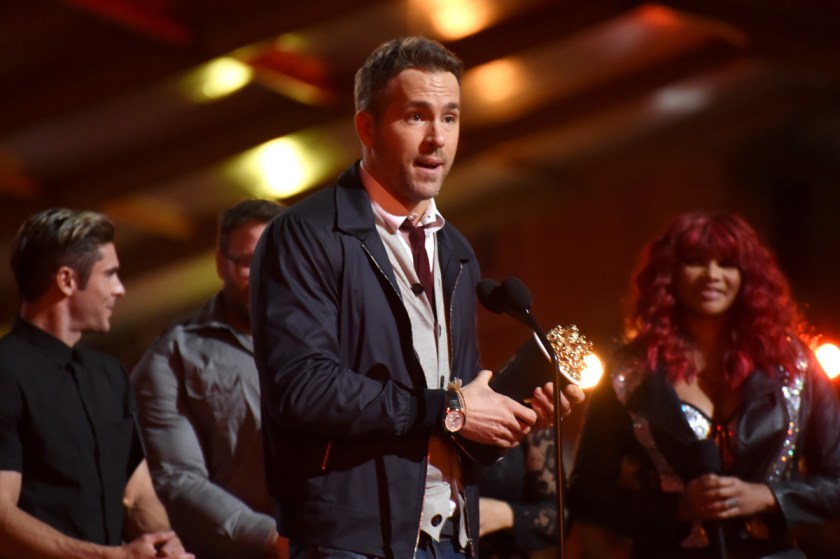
x=532, y=365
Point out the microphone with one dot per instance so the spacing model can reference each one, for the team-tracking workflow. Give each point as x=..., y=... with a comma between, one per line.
x=417, y=288
x=517, y=300
x=510, y=297
x=490, y=295
x=513, y=298
x=708, y=462
x=536, y=361
x=517, y=295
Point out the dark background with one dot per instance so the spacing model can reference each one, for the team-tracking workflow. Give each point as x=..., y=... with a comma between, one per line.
x=605, y=119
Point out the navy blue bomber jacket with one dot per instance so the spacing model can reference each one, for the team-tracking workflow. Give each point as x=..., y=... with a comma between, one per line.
x=346, y=412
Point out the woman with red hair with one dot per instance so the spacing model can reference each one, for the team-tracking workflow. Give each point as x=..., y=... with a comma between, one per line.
x=715, y=432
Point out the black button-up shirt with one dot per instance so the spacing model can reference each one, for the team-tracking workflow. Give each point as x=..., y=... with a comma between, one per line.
x=67, y=424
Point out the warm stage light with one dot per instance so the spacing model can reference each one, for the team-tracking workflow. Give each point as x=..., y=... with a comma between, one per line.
x=277, y=169
x=829, y=357
x=660, y=16
x=493, y=87
x=216, y=79
x=288, y=165
x=454, y=19
x=593, y=372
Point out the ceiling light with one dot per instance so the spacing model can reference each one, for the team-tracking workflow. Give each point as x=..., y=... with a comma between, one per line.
x=492, y=88
x=216, y=79
x=287, y=166
x=681, y=99
x=454, y=19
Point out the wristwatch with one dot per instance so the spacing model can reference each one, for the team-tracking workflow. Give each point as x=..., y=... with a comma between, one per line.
x=456, y=416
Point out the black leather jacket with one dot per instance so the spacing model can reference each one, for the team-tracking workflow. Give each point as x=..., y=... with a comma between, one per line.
x=638, y=450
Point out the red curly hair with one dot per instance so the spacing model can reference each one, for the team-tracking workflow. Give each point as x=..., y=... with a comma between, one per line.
x=763, y=321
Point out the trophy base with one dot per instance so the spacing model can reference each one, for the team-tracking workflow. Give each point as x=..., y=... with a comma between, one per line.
x=530, y=367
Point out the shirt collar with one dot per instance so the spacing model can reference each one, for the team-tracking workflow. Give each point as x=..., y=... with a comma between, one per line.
x=214, y=315
x=44, y=342
x=391, y=211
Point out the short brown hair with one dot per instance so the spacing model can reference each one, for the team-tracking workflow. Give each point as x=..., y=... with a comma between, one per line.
x=54, y=238
x=394, y=56
x=247, y=211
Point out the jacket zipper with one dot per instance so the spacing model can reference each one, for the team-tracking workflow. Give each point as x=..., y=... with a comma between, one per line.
x=457, y=442
x=426, y=461
x=451, y=363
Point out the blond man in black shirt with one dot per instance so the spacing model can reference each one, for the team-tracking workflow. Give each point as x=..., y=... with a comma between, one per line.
x=73, y=481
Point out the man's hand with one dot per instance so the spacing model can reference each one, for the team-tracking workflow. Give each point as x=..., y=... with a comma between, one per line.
x=543, y=403
x=493, y=418
x=173, y=548
x=156, y=544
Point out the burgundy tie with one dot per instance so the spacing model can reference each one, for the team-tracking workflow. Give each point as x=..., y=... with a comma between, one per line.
x=417, y=241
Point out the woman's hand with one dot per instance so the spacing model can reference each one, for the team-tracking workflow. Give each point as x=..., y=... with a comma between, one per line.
x=713, y=497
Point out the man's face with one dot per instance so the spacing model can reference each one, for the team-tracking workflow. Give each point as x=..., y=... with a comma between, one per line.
x=410, y=147
x=91, y=307
x=234, y=268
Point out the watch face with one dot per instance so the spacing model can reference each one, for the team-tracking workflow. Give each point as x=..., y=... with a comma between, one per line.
x=454, y=421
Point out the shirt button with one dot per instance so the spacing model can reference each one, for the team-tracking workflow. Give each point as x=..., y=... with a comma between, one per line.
x=436, y=520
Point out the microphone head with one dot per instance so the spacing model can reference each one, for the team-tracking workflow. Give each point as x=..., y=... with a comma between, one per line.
x=490, y=295
x=517, y=295
x=708, y=456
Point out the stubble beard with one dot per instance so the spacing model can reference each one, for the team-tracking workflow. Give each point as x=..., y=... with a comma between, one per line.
x=422, y=190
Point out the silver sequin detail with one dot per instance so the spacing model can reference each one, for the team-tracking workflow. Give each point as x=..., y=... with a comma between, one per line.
x=782, y=466
x=698, y=422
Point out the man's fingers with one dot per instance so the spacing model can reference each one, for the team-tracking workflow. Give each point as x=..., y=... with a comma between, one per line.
x=524, y=414
x=574, y=393
x=158, y=538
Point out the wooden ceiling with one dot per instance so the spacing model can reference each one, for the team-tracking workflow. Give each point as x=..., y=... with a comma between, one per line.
x=603, y=117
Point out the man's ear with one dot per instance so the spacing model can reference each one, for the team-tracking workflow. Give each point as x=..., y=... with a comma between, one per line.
x=66, y=280
x=364, y=127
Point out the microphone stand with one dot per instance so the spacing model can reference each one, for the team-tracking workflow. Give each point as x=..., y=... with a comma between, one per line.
x=559, y=476
x=513, y=298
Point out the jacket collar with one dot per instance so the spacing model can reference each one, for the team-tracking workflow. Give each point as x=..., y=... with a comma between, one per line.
x=354, y=216
x=657, y=399
x=655, y=402
x=761, y=423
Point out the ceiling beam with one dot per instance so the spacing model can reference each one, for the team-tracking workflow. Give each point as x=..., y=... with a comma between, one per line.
x=803, y=36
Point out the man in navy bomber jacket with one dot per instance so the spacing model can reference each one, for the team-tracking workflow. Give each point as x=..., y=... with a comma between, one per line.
x=371, y=439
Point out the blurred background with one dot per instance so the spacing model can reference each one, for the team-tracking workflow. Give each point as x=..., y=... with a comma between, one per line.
x=587, y=125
